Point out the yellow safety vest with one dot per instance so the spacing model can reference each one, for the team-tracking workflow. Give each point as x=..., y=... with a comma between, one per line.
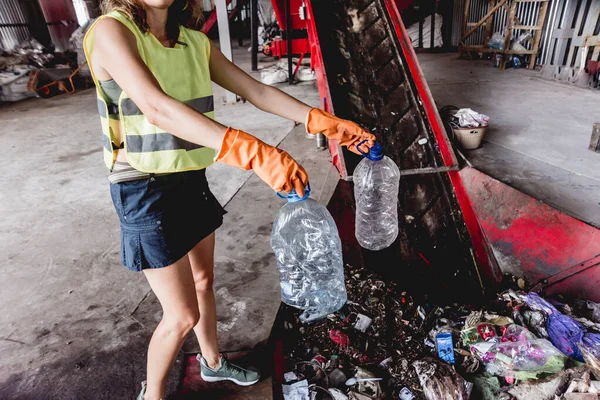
x=183, y=73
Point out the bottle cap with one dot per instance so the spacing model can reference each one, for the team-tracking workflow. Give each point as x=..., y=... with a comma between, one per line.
x=293, y=197
x=376, y=152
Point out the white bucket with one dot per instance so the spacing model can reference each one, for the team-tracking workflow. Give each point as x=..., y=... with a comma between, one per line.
x=470, y=138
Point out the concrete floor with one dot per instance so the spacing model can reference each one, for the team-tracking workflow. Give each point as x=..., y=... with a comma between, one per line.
x=539, y=130
x=74, y=323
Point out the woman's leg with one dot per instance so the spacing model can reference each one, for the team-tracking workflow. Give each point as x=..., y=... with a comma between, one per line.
x=213, y=367
x=174, y=288
x=202, y=259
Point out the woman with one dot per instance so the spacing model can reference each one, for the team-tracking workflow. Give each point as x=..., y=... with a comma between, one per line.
x=153, y=75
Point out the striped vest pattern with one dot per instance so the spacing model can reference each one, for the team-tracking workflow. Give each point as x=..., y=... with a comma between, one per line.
x=183, y=73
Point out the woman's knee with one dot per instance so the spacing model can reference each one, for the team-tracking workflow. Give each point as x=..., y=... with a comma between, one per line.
x=182, y=322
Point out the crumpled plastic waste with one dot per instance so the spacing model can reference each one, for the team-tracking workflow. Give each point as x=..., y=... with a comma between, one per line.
x=519, y=43
x=35, y=52
x=271, y=76
x=519, y=354
x=564, y=332
x=369, y=388
x=468, y=118
x=496, y=41
x=439, y=381
x=337, y=394
x=535, y=320
x=296, y=391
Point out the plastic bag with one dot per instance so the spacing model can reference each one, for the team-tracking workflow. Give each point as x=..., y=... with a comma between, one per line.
x=535, y=320
x=519, y=44
x=296, y=391
x=564, y=332
x=468, y=118
x=520, y=354
x=272, y=76
x=496, y=41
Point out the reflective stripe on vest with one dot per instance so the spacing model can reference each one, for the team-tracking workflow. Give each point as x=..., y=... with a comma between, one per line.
x=163, y=140
x=183, y=74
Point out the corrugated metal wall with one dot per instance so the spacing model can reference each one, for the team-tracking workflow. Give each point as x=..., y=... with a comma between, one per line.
x=527, y=14
x=457, y=20
x=60, y=14
x=10, y=13
x=573, y=40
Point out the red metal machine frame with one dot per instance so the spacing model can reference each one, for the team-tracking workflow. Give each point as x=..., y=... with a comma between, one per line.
x=557, y=252
x=477, y=236
x=479, y=245
x=300, y=45
x=325, y=97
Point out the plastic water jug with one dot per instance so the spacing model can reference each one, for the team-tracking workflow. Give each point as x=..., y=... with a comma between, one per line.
x=309, y=257
x=376, y=182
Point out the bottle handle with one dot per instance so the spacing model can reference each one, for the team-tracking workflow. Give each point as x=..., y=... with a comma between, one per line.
x=293, y=194
x=359, y=150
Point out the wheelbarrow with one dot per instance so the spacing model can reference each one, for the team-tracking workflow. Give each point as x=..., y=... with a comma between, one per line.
x=49, y=82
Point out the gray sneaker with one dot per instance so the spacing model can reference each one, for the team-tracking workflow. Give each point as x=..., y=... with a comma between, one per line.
x=143, y=392
x=227, y=372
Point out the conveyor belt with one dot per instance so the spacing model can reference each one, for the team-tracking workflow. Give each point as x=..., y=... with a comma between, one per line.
x=370, y=81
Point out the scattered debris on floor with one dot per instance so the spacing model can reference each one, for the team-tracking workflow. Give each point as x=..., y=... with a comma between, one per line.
x=42, y=63
x=385, y=344
x=278, y=73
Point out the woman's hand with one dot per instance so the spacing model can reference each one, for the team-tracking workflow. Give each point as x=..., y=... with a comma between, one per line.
x=274, y=166
x=346, y=132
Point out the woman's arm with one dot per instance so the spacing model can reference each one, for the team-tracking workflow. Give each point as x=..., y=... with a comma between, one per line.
x=264, y=97
x=274, y=101
x=115, y=51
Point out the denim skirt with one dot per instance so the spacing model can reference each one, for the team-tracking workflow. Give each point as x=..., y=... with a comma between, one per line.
x=164, y=217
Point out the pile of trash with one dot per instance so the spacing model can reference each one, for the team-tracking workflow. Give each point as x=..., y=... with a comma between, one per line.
x=519, y=44
x=17, y=64
x=385, y=344
x=278, y=73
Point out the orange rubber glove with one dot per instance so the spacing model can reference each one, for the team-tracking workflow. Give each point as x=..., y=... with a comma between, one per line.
x=274, y=166
x=346, y=132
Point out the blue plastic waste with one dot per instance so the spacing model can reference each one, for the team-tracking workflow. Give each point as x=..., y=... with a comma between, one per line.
x=564, y=332
x=308, y=251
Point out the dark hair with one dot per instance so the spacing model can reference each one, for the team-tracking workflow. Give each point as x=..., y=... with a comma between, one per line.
x=185, y=13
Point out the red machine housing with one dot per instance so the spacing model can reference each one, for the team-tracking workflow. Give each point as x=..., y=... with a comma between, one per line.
x=300, y=45
x=552, y=250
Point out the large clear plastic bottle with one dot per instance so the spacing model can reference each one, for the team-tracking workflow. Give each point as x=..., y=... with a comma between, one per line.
x=309, y=258
x=376, y=182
